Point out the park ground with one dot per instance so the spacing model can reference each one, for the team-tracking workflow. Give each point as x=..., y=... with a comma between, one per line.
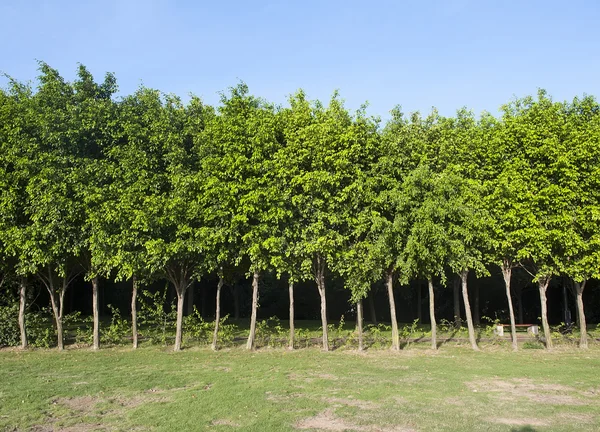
x=273, y=389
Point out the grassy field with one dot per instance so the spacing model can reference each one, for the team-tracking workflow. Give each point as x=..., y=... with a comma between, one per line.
x=453, y=389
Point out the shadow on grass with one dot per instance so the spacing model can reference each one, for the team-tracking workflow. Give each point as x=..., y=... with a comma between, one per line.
x=523, y=429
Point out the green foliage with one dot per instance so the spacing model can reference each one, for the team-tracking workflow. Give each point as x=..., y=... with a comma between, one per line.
x=118, y=330
x=200, y=331
x=156, y=316
x=9, y=325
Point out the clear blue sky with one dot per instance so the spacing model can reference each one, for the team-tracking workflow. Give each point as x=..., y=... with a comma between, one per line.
x=419, y=54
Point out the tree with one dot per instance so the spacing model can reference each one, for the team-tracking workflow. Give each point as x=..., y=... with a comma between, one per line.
x=239, y=146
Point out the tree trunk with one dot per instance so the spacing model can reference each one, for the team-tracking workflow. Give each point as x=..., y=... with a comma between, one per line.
x=390, y=290
x=320, y=276
x=463, y=277
x=583, y=342
x=251, y=336
x=432, y=315
x=95, y=313
x=180, y=301
x=134, y=332
x=190, y=300
x=359, y=324
x=457, y=317
x=543, y=286
x=215, y=340
x=507, y=273
x=476, y=311
x=22, y=306
x=292, y=330
x=371, y=301
x=57, y=318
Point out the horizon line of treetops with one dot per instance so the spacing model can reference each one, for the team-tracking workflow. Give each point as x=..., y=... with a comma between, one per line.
x=148, y=187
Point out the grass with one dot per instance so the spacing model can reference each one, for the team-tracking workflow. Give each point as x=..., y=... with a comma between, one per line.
x=153, y=388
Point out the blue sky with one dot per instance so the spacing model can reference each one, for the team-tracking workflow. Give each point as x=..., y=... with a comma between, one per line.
x=419, y=54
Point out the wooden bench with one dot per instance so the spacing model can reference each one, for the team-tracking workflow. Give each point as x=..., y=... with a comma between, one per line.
x=533, y=329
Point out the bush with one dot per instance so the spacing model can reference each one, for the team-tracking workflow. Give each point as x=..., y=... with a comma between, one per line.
x=10, y=334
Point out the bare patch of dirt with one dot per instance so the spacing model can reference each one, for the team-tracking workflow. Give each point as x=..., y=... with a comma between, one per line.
x=225, y=422
x=552, y=394
x=328, y=421
x=78, y=403
x=283, y=397
x=82, y=427
x=519, y=422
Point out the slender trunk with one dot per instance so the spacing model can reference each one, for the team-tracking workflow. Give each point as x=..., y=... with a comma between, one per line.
x=476, y=314
x=507, y=273
x=359, y=324
x=134, y=331
x=371, y=301
x=57, y=318
x=251, y=336
x=463, y=277
x=583, y=342
x=432, y=315
x=390, y=290
x=95, y=313
x=419, y=304
x=292, y=330
x=543, y=286
x=217, y=315
x=180, y=301
x=190, y=300
x=457, y=317
x=22, y=305
x=321, y=287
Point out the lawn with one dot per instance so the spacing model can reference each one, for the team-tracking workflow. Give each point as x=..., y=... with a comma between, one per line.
x=277, y=390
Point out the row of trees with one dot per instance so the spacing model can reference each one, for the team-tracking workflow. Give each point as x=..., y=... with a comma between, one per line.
x=146, y=187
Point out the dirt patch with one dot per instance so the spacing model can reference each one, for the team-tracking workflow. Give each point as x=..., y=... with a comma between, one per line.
x=225, y=422
x=328, y=421
x=79, y=403
x=82, y=427
x=273, y=397
x=551, y=394
x=519, y=422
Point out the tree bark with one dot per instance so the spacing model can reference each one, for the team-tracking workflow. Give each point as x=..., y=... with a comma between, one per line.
x=134, y=332
x=506, y=274
x=292, y=329
x=320, y=276
x=252, y=335
x=583, y=342
x=179, y=332
x=432, y=315
x=390, y=290
x=359, y=324
x=543, y=283
x=372, y=311
x=214, y=345
x=463, y=277
x=57, y=318
x=22, y=306
x=457, y=317
x=95, y=313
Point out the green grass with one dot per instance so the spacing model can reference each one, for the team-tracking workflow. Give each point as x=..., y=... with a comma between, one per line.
x=277, y=390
